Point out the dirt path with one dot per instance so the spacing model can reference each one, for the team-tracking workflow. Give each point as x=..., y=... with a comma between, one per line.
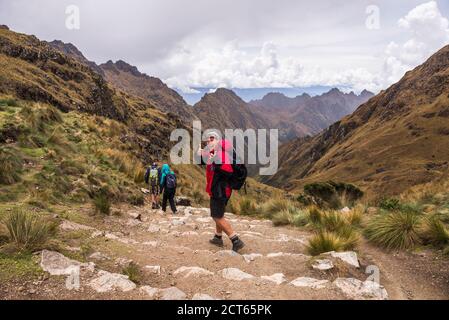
x=173, y=252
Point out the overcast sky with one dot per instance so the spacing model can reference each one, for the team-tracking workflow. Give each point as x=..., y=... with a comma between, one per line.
x=247, y=43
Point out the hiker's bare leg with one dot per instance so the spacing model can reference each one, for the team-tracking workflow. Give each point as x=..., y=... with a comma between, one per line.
x=224, y=225
x=218, y=229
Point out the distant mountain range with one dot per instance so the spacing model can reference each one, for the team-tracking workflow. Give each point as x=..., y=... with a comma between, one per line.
x=397, y=139
x=294, y=117
x=256, y=93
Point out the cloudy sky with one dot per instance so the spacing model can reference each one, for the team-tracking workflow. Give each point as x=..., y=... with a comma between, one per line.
x=247, y=43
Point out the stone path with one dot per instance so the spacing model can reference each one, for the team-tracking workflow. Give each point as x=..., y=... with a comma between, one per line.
x=177, y=262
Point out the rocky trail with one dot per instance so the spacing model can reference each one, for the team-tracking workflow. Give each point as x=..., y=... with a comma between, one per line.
x=177, y=262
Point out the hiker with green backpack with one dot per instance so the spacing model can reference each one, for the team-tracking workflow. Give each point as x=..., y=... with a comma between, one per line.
x=168, y=188
x=223, y=174
x=152, y=179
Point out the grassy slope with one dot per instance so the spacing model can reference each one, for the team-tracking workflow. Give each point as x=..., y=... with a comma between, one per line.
x=396, y=140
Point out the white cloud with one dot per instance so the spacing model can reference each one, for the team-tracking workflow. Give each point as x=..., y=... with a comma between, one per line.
x=429, y=31
x=200, y=64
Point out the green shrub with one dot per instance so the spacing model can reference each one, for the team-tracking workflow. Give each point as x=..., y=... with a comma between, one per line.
x=396, y=230
x=26, y=230
x=332, y=194
x=390, y=204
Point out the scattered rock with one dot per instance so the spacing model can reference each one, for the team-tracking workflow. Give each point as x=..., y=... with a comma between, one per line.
x=123, y=262
x=227, y=253
x=235, y=274
x=178, y=222
x=72, y=226
x=153, y=244
x=57, y=264
x=153, y=228
x=372, y=210
x=350, y=257
x=151, y=292
x=189, y=234
x=99, y=256
x=277, y=278
x=251, y=257
x=183, y=201
x=192, y=271
x=172, y=293
x=135, y=215
x=145, y=191
x=154, y=269
x=358, y=290
x=345, y=210
x=203, y=220
x=309, y=282
x=322, y=264
x=107, y=282
x=201, y=296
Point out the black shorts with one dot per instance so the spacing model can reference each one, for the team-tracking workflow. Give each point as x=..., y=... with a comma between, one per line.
x=218, y=207
x=154, y=190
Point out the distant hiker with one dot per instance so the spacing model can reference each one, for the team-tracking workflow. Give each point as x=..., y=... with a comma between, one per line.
x=168, y=188
x=219, y=173
x=152, y=178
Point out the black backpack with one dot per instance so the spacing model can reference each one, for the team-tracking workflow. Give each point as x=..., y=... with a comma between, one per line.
x=239, y=174
x=170, y=181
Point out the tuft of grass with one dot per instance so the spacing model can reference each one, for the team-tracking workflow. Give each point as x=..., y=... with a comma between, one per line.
x=11, y=167
x=125, y=163
x=38, y=116
x=271, y=207
x=434, y=232
x=133, y=272
x=26, y=230
x=324, y=241
x=315, y=215
x=282, y=218
x=300, y=219
x=247, y=207
x=395, y=230
x=102, y=203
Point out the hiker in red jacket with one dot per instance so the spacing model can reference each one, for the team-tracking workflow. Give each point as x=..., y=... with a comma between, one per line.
x=218, y=170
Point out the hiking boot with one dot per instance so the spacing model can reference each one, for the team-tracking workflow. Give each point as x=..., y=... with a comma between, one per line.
x=217, y=241
x=237, y=245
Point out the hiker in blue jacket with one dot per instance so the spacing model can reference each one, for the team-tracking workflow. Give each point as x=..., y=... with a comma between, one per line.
x=168, y=188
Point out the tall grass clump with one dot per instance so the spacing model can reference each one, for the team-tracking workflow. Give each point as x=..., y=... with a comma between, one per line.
x=394, y=230
x=11, y=166
x=102, y=203
x=38, y=116
x=26, y=230
x=247, y=207
x=126, y=163
x=133, y=272
x=434, y=232
x=271, y=207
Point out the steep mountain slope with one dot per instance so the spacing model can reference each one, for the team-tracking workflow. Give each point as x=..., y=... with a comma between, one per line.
x=72, y=51
x=223, y=109
x=396, y=140
x=33, y=70
x=305, y=115
x=128, y=78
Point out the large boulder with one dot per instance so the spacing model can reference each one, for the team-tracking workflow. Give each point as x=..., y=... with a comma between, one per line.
x=349, y=257
x=235, y=274
x=309, y=283
x=106, y=282
x=358, y=290
x=192, y=272
x=57, y=264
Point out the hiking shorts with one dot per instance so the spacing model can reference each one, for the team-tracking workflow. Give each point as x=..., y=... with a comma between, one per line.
x=154, y=190
x=218, y=207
